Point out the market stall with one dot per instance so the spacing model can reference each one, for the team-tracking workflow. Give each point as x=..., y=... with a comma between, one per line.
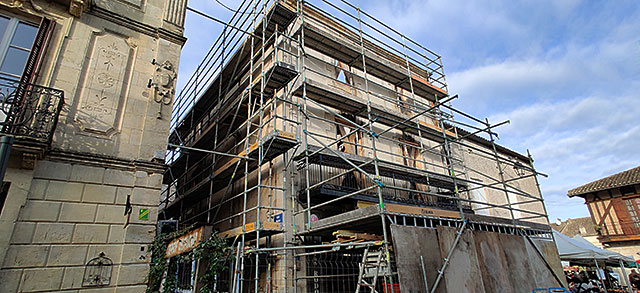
x=581, y=252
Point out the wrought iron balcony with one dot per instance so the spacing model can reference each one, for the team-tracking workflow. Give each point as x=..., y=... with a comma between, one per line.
x=29, y=112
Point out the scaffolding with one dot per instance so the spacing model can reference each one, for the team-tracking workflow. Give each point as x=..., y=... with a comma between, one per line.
x=305, y=118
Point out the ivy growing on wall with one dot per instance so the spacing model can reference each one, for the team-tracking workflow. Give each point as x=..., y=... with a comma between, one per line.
x=214, y=252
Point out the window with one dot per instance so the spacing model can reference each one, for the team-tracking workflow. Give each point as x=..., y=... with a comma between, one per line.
x=15, y=45
x=633, y=205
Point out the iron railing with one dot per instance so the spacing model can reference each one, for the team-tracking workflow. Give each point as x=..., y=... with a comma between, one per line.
x=335, y=181
x=29, y=112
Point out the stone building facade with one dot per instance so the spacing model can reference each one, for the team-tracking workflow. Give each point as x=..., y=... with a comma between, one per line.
x=81, y=205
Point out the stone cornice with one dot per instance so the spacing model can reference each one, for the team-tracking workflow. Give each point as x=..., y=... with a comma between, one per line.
x=104, y=161
x=136, y=25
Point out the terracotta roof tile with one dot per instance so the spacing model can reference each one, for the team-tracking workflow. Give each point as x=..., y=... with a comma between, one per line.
x=624, y=178
x=572, y=227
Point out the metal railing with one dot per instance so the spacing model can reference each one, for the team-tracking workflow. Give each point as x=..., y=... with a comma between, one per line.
x=29, y=112
x=340, y=181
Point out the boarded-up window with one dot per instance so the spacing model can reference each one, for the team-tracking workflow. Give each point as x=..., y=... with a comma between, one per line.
x=412, y=157
x=350, y=141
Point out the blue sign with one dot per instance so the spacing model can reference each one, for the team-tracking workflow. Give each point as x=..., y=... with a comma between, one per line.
x=278, y=218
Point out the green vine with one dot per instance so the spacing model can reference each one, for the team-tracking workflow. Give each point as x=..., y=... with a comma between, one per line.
x=214, y=252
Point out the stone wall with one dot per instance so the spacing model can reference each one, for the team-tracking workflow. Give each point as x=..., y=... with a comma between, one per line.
x=108, y=147
x=70, y=215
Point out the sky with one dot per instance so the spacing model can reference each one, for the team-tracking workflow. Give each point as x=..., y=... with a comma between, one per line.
x=565, y=73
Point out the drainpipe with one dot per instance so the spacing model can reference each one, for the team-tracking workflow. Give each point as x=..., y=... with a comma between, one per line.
x=6, y=142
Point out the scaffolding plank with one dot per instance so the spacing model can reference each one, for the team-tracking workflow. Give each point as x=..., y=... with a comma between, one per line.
x=420, y=211
x=266, y=226
x=347, y=220
x=463, y=272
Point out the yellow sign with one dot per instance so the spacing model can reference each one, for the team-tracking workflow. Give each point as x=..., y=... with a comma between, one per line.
x=185, y=242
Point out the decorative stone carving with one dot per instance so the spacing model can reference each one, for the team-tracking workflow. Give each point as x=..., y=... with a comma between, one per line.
x=163, y=84
x=135, y=3
x=29, y=161
x=104, y=83
x=174, y=12
x=76, y=7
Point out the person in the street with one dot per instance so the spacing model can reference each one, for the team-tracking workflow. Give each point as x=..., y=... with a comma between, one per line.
x=634, y=278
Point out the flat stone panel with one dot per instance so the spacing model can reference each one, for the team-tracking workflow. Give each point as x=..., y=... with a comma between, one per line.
x=151, y=180
x=139, y=233
x=42, y=279
x=87, y=174
x=36, y=210
x=493, y=262
x=67, y=255
x=463, y=272
x=132, y=274
x=145, y=196
x=91, y=233
x=38, y=188
x=23, y=232
x=78, y=212
x=99, y=193
x=20, y=256
x=72, y=277
x=64, y=191
x=116, y=234
x=405, y=240
x=119, y=177
x=10, y=280
x=52, y=170
x=53, y=233
x=110, y=214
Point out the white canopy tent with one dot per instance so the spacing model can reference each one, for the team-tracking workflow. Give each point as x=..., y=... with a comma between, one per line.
x=580, y=250
x=576, y=249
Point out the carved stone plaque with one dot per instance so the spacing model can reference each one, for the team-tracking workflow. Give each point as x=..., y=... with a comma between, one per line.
x=104, y=83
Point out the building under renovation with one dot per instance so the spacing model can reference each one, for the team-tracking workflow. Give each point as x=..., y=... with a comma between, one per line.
x=323, y=145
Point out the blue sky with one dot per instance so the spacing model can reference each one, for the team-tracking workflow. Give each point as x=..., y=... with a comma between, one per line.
x=565, y=73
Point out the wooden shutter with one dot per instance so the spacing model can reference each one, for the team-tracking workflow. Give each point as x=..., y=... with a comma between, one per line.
x=37, y=51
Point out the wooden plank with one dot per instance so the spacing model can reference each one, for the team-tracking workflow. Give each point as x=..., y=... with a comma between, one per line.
x=518, y=262
x=462, y=275
x=250, y=227
x=413, y=210
x=407, y=253
x=539, y=272
x=269, y=225
x=493, y=262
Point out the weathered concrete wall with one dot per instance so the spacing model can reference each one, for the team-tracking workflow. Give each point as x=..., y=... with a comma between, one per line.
x=481, y=261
